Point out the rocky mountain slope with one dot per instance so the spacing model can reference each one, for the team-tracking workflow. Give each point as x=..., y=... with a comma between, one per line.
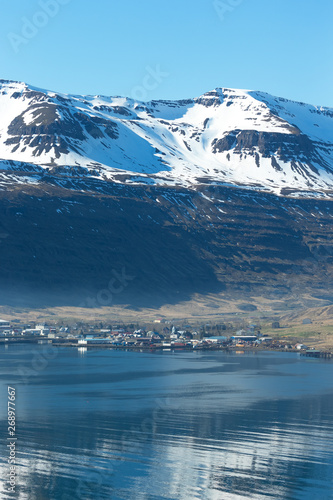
x=108, y=200
x=225, y=136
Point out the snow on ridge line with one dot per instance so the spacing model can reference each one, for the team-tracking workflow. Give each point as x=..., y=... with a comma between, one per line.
x=222, y=90
x=175, y=139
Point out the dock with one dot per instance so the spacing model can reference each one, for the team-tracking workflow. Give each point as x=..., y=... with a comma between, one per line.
x=314, y=353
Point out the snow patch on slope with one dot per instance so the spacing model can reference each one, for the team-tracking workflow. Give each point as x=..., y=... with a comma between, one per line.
x=186, y=143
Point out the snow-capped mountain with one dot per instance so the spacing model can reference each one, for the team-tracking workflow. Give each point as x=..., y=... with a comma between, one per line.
x=225, y=136
x=227, y=195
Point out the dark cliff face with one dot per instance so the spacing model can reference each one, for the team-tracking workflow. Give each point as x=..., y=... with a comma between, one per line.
x=46, y=125
x=278, y=146
x=61, y=246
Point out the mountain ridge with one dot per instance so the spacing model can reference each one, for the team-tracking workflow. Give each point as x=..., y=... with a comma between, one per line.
x=226, y=136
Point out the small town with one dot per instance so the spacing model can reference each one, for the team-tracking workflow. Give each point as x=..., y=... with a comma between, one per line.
x=161, y=334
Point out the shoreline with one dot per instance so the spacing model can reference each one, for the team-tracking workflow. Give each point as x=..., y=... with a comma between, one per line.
x=313, y=353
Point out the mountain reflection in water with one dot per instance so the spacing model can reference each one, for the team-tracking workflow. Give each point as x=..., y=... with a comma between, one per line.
x=124, y=425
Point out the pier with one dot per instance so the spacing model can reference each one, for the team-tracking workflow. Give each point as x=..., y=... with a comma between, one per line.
x=314, y=353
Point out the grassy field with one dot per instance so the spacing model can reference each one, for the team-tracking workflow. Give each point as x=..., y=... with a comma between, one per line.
x=304, y=331
x=315, y=335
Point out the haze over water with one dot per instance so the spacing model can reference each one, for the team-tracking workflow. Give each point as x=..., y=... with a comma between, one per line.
x=103, y=424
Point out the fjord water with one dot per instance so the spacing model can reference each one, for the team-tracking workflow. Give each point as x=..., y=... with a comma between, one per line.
x=107, y=424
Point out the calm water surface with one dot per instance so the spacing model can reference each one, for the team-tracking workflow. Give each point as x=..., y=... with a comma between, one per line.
x=122, y=425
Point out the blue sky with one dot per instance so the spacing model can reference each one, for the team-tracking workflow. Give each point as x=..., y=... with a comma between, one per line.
x=170, y=49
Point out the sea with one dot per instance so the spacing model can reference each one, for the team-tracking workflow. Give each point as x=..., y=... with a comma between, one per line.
x=164, y=425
